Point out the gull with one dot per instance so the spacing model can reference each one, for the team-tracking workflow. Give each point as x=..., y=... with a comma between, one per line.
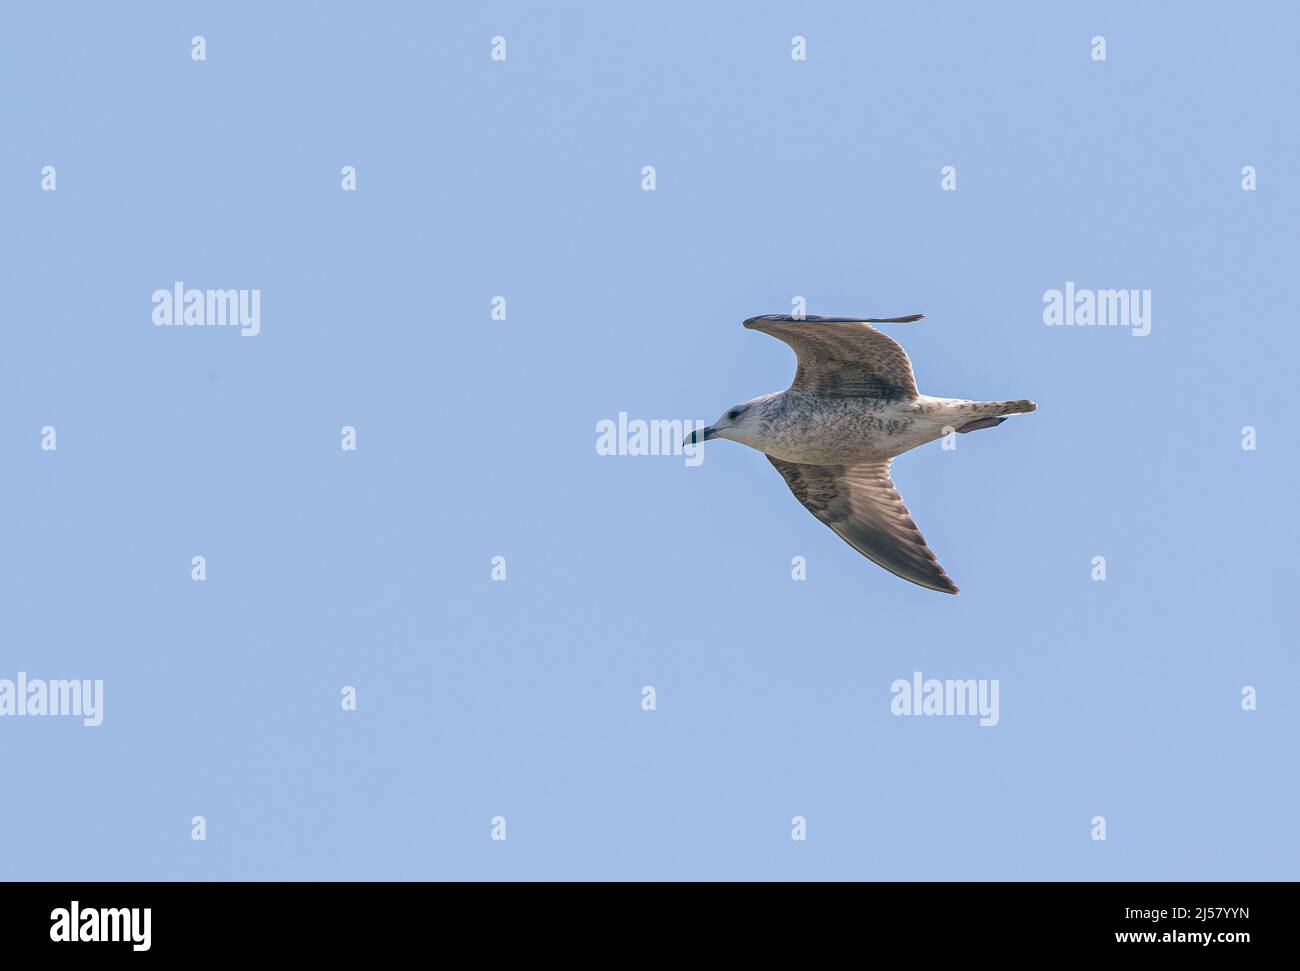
x=852, y=407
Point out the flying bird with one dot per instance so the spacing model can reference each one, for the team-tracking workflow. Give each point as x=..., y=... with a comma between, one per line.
x=852, y=407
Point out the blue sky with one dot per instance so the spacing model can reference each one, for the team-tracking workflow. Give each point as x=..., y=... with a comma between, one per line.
x=522, y=178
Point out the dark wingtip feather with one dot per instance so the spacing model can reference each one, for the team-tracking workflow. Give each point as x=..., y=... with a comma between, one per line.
x=753, y=322
x=895, y=320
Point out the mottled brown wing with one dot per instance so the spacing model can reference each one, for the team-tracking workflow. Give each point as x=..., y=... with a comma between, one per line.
x=843, y=356
x=861, y=504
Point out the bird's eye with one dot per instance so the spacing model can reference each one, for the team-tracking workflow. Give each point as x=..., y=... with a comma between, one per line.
x=732, y=414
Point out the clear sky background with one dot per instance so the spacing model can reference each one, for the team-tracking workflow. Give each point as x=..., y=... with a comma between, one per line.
x=476, y=438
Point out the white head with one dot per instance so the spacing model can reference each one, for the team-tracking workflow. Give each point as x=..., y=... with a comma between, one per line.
x=739, y=423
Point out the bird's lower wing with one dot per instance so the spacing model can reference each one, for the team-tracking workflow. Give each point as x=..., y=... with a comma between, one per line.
x=861, y=504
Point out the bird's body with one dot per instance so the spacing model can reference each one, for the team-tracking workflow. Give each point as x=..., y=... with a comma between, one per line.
x=853, y=407
x=804, y=428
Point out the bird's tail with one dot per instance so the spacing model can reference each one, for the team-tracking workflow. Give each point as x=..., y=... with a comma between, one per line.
x=990, y=414
x=1019, y=407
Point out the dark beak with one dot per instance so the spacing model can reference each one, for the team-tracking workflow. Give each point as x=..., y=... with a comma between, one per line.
x=699, y=435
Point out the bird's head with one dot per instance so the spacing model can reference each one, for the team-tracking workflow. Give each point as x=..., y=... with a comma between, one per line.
x=738, y=423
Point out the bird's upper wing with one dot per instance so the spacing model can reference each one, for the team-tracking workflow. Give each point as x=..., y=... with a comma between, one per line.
x=843, y=355
x=861, y=504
